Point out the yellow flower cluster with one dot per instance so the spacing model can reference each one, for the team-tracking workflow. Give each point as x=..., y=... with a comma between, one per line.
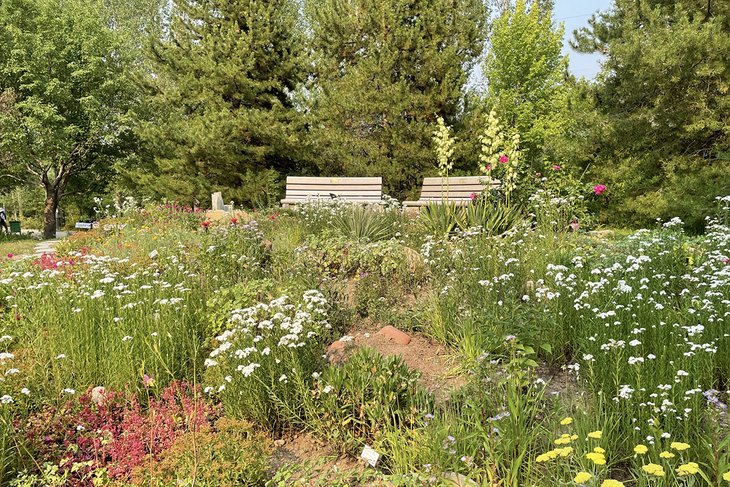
x=640, y=449
x=726, y=476
x=689, y=468
x=597, y=456
x=582, y=477
x=612, y=483
x=552, y=454
x=654, y=469
x=679, y=446
x=565, y=439
x=596, y=435
x=666, y=455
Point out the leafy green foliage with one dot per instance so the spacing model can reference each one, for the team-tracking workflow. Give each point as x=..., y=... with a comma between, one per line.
x=369, y=395
x=263, y=365
x=384, y=71
x=662, y=138
x=359, y=222
x=220, y=99
x=526, y=74
x=64, y=95
x=486, y=213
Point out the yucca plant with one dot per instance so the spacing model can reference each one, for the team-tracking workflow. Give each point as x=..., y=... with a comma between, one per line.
x=441, y=219
x=362, y=223
x=493, y=216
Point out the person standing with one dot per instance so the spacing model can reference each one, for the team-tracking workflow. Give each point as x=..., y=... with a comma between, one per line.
x=4, y=220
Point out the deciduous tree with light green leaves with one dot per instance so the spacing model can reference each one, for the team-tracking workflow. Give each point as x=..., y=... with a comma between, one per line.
x=64, y=95
x=526, y=74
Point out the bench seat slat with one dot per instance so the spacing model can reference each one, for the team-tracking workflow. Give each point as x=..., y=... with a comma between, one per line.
x=334, y=180
x=327, y=191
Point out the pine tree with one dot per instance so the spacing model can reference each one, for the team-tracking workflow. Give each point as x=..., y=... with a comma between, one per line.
x=220, y=98
x=664, y=142
x=384, y=71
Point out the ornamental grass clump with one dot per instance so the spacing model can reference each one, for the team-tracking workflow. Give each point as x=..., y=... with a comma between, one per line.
x=262, y=367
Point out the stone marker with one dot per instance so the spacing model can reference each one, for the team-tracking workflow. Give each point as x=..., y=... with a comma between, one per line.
x=217, y=201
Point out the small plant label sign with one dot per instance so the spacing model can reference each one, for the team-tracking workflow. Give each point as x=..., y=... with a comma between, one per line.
x=370, y=456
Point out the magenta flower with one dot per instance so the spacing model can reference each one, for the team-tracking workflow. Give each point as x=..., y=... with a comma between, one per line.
x=503, y=159
x=599, y=189
x=556, y=168
x=10, y=256
x=148, y=381
x=487, y=168
x=473, y=196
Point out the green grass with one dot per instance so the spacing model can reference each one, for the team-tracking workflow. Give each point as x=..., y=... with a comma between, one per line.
x=17, y=245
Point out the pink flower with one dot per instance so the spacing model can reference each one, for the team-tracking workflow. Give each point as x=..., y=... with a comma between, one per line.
x=473, y=196
x=503, y=159
x=574, y=225
x=556, y=168
x=10, y=256
x=487, y=168
x=599, y=189
x=205, y=224
x=148, y=381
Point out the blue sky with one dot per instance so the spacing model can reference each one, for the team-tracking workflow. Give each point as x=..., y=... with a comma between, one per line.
x=575, y=14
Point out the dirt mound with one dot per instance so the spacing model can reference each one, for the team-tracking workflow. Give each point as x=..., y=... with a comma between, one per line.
x=431, y=359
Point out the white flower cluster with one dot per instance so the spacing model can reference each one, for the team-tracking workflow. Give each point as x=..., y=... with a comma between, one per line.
x=260, y=334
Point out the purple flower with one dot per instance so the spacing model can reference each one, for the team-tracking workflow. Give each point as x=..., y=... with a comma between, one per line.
x=713, y=398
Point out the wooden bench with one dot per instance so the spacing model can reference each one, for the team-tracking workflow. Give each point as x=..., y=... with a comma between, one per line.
x=84, y=225
x=301, y=190
x=457, y=190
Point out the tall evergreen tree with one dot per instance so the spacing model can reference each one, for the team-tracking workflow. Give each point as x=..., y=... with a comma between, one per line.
x=384, y=70
x=220, y=98
x=664, y=137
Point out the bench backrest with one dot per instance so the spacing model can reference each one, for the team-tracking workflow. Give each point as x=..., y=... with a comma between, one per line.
x=350, y=189
x=457, y=188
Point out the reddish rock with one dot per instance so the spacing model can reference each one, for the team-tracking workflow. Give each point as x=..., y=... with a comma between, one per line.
x=395, y=335
x=336, y=347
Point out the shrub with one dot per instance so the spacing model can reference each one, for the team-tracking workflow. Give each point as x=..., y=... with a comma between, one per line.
x=262, y=368
x=110, y=430
x=369, y=395
x=230, y=453
x=240, y=295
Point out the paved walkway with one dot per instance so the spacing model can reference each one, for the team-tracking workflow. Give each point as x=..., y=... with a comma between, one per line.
x=46, y=247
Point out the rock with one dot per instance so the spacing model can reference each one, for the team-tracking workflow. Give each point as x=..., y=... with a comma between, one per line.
x=395, y=335
x=335, y=352
x=98, y=395
x=459, y=480
x=336, y=347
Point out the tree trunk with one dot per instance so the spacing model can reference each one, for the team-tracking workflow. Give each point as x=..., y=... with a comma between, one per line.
x=49, y=212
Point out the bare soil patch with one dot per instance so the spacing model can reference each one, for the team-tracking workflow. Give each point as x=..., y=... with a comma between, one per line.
x=433, y=360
